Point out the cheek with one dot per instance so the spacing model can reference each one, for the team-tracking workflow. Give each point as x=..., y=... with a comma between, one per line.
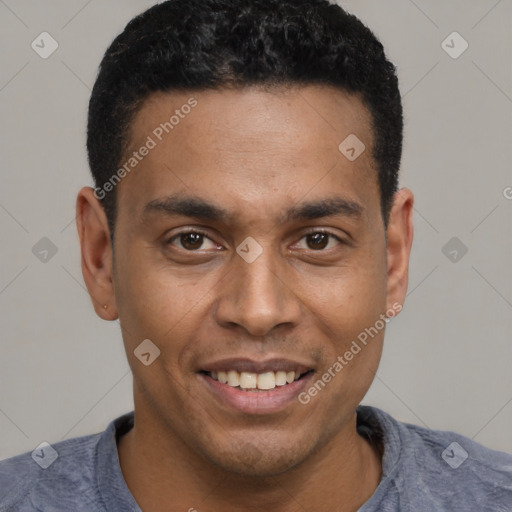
x=347, y=309
x=156, y=307
x=153, y=298
x=347, y=297
x=169, y=310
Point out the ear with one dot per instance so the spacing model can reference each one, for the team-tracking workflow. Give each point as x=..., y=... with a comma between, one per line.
x=400, y=235
x=97, y=258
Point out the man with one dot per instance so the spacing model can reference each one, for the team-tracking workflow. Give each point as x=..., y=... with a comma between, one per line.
x=247, y=229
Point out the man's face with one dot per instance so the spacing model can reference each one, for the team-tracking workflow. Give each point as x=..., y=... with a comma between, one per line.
x=259, y=158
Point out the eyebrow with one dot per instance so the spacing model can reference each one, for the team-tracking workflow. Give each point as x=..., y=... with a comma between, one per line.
x=178, y=205
x=175, y=205
x=325, y=208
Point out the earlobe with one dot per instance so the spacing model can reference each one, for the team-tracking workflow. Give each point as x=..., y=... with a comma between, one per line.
x=400, y=237
x=96, y=253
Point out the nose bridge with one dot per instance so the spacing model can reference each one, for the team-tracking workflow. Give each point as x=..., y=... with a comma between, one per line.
x=260, y=279
x=256, y=297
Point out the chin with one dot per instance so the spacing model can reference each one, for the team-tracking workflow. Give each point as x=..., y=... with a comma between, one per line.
x=254, y=461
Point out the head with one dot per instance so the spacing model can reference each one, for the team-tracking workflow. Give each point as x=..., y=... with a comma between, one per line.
x=229, y=223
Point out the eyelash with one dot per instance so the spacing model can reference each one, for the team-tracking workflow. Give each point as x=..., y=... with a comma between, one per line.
x=199, y=232
x=186, y=232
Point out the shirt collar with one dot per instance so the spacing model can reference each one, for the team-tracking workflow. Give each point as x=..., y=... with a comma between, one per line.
x=372, y=423
x=112, y=487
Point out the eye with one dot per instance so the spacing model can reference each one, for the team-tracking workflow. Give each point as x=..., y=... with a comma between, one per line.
x=320, y=240
x=192, y=241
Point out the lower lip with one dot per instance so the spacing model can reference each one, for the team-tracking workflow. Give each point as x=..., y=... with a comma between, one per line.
x=257, y=402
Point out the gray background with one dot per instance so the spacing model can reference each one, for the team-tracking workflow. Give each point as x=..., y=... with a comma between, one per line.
x=447, y=357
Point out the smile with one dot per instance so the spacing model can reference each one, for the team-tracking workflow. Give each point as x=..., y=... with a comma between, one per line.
x=255, y=387
x=256, y=381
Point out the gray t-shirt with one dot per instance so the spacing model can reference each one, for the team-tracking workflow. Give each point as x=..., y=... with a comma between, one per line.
x=423, y=470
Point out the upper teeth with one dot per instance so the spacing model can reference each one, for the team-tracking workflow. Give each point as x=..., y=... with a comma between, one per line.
x=248, y=380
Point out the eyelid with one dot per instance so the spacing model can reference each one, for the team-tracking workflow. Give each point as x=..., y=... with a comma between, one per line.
x=184, y=231
x=325, y=231
x=312, y=230
x=315, y=229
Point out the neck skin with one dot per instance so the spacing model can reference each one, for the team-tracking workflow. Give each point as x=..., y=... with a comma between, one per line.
x=164, y=475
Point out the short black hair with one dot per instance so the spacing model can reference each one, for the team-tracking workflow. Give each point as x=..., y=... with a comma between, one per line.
x=193, y=45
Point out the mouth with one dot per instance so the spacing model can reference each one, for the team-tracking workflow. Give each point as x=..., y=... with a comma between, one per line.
x=256, y=387
x=256, y=382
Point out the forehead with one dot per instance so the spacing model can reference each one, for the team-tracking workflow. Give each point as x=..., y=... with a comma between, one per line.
x=249, y=146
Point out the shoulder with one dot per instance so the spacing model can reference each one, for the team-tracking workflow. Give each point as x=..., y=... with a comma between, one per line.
x=56, y=473
x=443, y=449
x=446, y=469
x=460, y=470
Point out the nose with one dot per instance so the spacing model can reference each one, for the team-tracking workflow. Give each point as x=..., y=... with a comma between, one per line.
x=257, y=296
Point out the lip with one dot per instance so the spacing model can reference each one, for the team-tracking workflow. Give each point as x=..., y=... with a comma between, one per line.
x=256, y=402
x=253, y=366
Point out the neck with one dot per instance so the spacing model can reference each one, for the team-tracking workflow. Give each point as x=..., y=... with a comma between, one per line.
x=160, y=470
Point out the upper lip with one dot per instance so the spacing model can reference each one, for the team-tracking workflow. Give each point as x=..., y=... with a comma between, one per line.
x=255, y=366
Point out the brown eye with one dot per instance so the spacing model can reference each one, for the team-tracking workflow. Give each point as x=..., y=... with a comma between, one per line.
x=192, y=241
x=317, y=241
